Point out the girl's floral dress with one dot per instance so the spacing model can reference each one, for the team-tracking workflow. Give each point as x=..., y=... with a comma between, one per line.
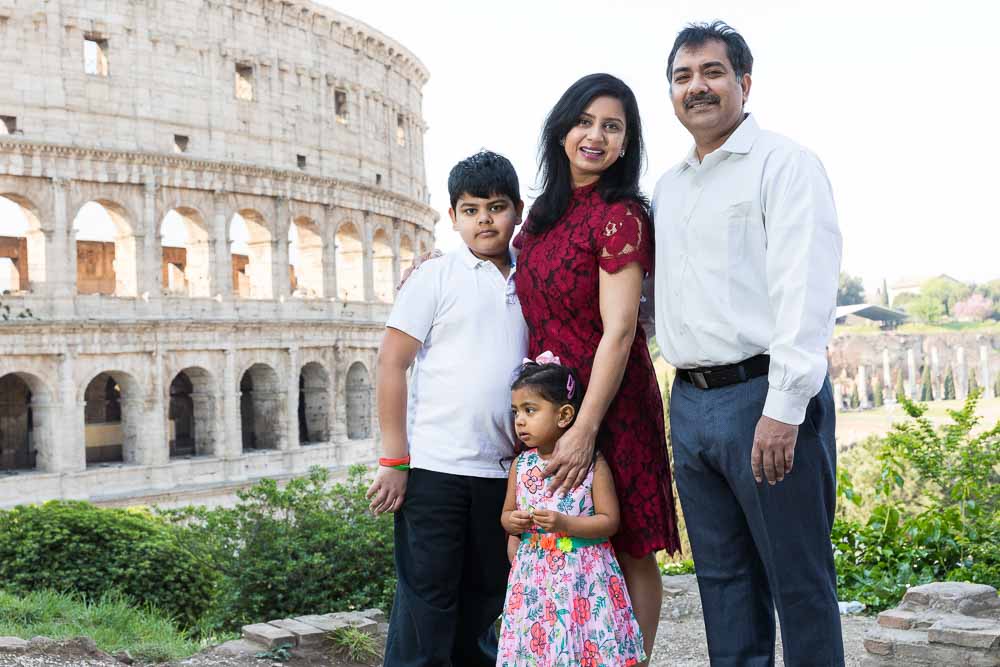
x=566, y=601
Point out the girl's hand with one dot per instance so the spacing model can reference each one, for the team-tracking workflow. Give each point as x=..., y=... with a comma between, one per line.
x=550, y=520
x=518, y=522
x=571, y=459
x=387, y=490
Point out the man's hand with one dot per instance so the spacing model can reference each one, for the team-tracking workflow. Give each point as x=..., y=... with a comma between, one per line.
x=387, y=490
x=550, y=520
x=571, y=459
x=773, y=450
x=518, y=521
x=417, y=261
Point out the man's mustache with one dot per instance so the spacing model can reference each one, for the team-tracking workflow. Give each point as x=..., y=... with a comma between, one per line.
x=704, y=97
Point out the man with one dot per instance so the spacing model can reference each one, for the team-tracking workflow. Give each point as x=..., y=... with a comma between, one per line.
x=748, y=257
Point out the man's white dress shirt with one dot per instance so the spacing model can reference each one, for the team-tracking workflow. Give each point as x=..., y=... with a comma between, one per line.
x=747, y=261
x=468, y=317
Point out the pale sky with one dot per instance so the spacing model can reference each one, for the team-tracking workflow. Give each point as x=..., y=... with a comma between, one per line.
x=899, y=100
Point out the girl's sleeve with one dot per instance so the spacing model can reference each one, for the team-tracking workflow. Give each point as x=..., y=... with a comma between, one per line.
x=625, y=237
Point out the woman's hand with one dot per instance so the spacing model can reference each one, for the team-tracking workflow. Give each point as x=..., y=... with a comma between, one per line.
x=550, y=521
x=571, y=459
x=417, y=261
x=387, y=490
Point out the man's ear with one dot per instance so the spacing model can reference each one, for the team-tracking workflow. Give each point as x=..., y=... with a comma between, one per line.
x=745, y=85
x=454, y=220
x=566, y=415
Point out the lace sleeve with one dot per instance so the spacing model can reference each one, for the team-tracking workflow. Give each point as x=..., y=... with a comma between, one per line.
x=625, y=237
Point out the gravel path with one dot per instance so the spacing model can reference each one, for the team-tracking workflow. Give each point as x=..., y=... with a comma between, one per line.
x=680, y=641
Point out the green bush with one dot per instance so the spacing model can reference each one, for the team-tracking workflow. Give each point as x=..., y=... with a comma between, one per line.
x=949, y=385
x=79, y=548
x=935, y=513
x=308, y=547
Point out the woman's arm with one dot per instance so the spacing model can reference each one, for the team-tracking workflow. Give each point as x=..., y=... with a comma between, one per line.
x=604, y=522
x=619, y=304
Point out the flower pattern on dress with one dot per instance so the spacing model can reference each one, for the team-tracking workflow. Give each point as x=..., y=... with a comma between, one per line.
x=561, y=610
x=557, y=284
x=533, y=479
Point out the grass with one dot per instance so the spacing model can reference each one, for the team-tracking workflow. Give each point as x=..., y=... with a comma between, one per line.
x=355, y=645
x=112, y=621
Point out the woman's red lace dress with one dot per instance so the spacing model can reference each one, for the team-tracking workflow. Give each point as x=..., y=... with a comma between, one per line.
x=557, y=284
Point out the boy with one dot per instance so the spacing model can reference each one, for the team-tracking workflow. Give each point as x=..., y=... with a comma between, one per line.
x=446, y=439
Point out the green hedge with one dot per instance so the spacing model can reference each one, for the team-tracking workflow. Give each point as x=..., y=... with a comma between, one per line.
x=77, y=547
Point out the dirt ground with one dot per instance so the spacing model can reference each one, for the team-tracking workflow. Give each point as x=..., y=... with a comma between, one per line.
x=679, y=643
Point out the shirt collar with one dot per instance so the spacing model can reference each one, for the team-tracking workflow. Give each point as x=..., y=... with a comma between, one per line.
x=740, y=141
x=473, y=262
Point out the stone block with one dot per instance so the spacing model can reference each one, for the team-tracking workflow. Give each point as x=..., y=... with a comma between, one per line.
x=306, y=635
x=324, y=623
x=948, y=595
x=268, y=635
x=897, y=619
x=965, y=631
x=12, y=643
x=374, y=614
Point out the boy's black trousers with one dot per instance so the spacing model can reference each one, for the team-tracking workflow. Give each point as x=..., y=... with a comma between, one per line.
x=451, y=566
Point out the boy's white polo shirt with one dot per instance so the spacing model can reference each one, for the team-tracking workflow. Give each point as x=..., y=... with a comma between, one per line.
x=469, y=320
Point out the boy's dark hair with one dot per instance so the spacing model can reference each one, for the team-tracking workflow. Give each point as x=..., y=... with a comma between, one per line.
x=696, y=34
x=552, y=382
x=484, y=174
x=620, y=181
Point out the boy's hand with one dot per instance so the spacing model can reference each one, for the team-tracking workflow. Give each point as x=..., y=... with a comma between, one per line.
x=520, y=521
x=387, y=490
x=550, y=520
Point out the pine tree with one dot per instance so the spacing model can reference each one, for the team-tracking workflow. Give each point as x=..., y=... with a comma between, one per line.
x=949, y=385
x=973, y=381
x=855, y=402
x=899, y=388
x=996, y=386
x=885, y=293
x=877, y=399
x=926, y=391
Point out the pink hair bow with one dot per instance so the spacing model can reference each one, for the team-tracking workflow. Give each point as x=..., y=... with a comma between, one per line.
x=545, y=357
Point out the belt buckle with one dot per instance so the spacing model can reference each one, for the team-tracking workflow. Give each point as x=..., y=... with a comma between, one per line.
x=698, y=379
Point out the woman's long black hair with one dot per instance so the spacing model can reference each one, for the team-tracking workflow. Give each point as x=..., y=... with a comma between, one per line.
x=620, y=181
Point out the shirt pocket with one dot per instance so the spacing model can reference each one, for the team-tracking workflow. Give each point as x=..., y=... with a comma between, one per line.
x=737, y=223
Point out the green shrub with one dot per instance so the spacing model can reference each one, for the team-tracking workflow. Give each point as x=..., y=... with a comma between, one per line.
x=949, y=385
x=926, y=390
x=899, y=389
x=935, y=513
x=77, y=547
x=305, y=548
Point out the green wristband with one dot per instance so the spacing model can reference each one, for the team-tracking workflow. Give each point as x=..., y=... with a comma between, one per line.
x=401, y=466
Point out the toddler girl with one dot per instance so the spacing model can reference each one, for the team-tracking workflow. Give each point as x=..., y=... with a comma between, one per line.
x=566, y=601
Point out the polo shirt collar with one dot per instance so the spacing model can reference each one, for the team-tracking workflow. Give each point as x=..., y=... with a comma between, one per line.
x=473, y=262
x=740, y=141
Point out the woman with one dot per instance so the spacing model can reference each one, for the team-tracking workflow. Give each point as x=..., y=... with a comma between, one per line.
x=584, y=250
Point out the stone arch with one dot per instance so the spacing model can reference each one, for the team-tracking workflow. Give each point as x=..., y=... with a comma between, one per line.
x=422, y=246
x=406, y=253
x=359, y=402
x=26, y=420
x=262, y=408
x=382, y=259
x=191, y=414
x=251, y=244
x=112, y=418
x=22, y=244
x=186, y=253
x=349, y=251
x=305, y=257
x=106, y=250
x=314, y=404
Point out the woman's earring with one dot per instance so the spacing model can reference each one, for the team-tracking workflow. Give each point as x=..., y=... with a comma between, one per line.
x=622, y=154
x=562, y=142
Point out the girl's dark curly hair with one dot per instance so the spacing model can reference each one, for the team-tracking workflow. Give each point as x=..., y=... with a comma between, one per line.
x=555, y=383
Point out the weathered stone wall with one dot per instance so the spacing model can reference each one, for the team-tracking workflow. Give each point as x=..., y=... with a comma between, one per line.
x=299, y=121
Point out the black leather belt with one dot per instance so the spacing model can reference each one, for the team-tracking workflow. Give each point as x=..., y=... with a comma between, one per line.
x=712, y=377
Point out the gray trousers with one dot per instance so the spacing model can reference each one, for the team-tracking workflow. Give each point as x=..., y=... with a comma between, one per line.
x=758, y=548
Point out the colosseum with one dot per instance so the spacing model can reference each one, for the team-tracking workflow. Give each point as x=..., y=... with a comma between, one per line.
x=204, y=209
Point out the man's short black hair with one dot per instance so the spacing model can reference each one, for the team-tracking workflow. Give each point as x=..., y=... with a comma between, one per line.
x=696, y=34
x=484, y=174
